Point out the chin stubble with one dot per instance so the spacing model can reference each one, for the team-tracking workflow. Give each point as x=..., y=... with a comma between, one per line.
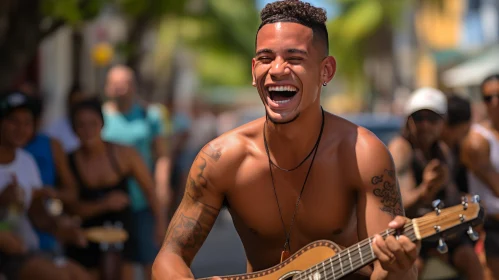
x=283, y=122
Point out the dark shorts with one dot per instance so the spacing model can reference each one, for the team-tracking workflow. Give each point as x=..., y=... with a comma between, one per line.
x=89, y=257
x=491, y=243
x=141, y=247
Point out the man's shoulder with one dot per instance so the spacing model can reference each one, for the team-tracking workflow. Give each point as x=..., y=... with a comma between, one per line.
x=355, y=136
x=232, y=147
x=475, y=141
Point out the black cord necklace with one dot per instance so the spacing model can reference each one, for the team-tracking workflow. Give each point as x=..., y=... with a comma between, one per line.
x=287, y=247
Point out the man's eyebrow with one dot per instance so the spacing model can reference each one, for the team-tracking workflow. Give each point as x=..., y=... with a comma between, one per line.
x=262, y=51
x=297, y=51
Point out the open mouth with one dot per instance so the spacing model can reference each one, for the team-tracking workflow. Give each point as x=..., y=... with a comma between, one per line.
x=282, y=94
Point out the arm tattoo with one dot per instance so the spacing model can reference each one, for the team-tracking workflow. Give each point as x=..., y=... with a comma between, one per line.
x=187, y=232
x=194, y=219
x=196, y=182
x=213, y=152
x=388, y=191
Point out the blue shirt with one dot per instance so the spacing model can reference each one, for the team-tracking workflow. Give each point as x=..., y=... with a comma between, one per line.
x=137, y=128
x=40, y=147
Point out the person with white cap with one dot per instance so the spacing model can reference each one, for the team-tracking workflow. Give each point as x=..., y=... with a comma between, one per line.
x=422, y=164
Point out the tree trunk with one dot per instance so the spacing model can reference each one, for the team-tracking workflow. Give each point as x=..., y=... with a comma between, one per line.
x=21, y=39
x=77, y=42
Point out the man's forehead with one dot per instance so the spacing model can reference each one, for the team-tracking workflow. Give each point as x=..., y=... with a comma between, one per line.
x=280, y=33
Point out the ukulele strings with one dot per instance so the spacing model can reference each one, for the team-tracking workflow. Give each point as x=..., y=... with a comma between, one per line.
x=357, y=260
x=337, y=265
x=336, y=269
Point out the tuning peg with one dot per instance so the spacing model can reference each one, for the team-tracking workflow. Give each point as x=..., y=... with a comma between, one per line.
x=442, y=246
x=464, y=199
x=473, y=235
x=437, y=205
x=475, y=198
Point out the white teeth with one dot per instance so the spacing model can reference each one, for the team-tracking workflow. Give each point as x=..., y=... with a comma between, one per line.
x=282, y=101
x=282, y=88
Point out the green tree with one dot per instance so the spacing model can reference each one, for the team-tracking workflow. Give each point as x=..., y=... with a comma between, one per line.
x=28, y=22
x=362, y=36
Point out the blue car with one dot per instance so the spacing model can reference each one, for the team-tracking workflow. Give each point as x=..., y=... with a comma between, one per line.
x=384, y=126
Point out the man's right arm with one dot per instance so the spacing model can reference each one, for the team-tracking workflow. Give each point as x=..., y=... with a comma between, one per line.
x=401, y=153
x=193, y=220
x=475, y=155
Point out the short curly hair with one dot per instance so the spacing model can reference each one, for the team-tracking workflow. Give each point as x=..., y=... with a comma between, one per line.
x=298, y=12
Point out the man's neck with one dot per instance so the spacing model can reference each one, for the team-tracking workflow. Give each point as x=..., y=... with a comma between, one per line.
x=290, y=143
x=494, y=126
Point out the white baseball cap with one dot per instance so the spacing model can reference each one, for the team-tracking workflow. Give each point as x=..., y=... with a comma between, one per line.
x=426, y=98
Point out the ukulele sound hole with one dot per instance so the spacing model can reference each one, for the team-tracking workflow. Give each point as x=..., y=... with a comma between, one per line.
x=289, y=275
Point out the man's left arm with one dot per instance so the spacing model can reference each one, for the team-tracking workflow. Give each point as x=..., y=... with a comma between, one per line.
x=379, y=207
x=162, y=165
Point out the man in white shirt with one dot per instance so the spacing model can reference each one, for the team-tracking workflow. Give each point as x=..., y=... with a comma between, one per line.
x=22, y=199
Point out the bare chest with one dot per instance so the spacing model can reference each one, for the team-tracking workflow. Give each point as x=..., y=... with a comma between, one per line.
x=267, y=207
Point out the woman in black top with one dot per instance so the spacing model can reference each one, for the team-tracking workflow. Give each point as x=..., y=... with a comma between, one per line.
x=102, y=170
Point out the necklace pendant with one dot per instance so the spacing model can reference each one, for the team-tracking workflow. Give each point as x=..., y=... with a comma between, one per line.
x=284, y=255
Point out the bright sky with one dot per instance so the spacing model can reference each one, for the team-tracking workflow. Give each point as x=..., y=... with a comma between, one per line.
x=326, y=4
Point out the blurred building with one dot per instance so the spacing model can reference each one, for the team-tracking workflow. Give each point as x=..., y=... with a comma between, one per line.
x=455, y=39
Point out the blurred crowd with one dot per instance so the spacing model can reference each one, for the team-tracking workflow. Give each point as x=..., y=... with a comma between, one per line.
x=89, y=195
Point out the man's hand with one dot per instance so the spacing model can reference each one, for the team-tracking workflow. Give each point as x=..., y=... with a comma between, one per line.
x=45, y=193
x=396, y=257
x=11, y=244
x=435, y=176
x=69, y=231
x=12, y=193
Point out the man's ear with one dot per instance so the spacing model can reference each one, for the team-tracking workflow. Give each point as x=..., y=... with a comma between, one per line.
x=328, y=69
x=253, y=61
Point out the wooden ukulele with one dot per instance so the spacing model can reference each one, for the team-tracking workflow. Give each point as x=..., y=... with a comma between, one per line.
x=324, y=260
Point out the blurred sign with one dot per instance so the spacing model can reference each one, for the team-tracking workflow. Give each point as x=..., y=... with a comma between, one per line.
x=102, y=54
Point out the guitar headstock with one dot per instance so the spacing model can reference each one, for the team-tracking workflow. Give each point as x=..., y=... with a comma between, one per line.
x=442, y=222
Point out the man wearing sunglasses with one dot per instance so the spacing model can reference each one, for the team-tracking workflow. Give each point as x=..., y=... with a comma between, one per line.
x=481, y=156
x=422, y=163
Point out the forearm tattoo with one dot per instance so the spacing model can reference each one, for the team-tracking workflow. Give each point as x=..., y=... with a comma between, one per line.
x=387, y=189
x=194, y=219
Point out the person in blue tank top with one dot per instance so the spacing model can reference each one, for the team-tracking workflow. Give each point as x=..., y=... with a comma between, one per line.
x=128, y=122
x=54, y=171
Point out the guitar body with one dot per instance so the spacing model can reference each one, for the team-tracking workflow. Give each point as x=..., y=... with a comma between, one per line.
x=323, y=259
x=308, y=256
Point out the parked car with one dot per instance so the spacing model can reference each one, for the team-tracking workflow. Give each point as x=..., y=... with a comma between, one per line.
x=384, y=126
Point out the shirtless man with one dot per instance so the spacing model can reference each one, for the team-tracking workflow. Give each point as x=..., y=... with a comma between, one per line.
x=480, y=154
x=338, y=187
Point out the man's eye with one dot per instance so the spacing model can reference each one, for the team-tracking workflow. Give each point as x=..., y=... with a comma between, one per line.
x=264, y=59
x=295, y=60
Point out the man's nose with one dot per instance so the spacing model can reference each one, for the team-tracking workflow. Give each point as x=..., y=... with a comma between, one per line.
x=279, y=68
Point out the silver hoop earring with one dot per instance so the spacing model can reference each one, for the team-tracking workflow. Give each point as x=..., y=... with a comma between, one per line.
x=324, y=84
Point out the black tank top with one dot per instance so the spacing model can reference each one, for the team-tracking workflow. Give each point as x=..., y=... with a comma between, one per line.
x=417, y=166
x=95, y=193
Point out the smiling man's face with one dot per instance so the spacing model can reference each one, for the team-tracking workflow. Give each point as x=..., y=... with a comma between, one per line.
x=288, y=69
